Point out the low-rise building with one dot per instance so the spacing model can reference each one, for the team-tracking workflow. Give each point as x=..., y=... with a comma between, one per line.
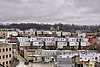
x=33, y=55
x=61, y=45
x=49, y=55
x=3, y=33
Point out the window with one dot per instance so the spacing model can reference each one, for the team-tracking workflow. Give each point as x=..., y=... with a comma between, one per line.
x=3, y=63
x=9, y=55
x=6, y=49
x=10, y=61
x=3, y=56
x=0, y=50
x=90, y=64
x=9, y=49
x=6, y=56
x=3, y=50
x=0, y=57
x=6, y=62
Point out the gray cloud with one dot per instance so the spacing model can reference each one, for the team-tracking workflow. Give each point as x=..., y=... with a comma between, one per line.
x=65, y=11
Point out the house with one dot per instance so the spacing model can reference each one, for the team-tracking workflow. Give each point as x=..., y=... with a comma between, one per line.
x=48, y=38
x=23, y=41
x=29, y=32
x=90, y=59
x=66, y=34
x=82, y=35
x=39, y=33
x=74, y=45
x=3, y=33
x=33, y=55
x=47, y=33
x=49, y=55
x=37, y=44
x=61, y=39
x=61, y=44
x=50, y=45
x=12, y=33
x=59, y=33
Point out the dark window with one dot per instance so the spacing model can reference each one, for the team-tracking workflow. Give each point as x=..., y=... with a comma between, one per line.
x=0, y=57
x=6, y=56
x=6, y=49
x=9, y=49
x=9, y=55
x=10, y=61
x=0, y=50
x=6, y=62
x=3, y=56
x=3, y=50
x=3, y=63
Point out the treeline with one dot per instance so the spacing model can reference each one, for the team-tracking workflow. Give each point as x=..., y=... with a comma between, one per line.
x=63, y=27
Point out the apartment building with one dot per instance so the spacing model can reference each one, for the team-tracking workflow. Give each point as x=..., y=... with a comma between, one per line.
x=61, y=45
x=3, y=33
x=64, y=61
x=24, y=41
x=49, y=55
x=50, y=45
x=34, y=55
x=5, y=54
x=90, y=59
x=29, y=32
x=37, y=44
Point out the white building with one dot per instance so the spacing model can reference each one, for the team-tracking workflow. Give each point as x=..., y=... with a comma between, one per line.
x=72, y=39
x=61, y=39
x=49, y=55
x=82, y=35
x=66, y=33
x=13, y=33
x=33, y=39
x=24, y=41
x=90, y=57
x=61, y=44
x=50, y=43
x=58, y=33
x=47, y=32
x=73, y=43
x=48, y=38
x=39, y=32
x=38, y=43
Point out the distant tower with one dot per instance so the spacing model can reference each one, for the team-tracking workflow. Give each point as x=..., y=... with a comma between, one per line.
x=58, y=28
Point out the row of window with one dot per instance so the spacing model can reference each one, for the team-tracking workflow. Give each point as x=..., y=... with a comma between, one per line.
x=50, y=53
x=5, y=56
x=4, y=50
x=3, y=63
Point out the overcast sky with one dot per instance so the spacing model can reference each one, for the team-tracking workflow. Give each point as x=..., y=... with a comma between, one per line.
x=50, y=11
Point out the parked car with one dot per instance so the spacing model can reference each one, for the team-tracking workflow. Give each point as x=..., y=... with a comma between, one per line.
x=26, y=63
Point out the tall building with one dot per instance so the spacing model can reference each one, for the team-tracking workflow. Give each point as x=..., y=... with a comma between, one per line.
x=5, y=54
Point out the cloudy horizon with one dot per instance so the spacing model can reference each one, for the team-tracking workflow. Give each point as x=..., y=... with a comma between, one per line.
x=82, y=12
